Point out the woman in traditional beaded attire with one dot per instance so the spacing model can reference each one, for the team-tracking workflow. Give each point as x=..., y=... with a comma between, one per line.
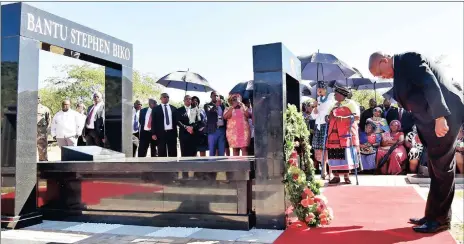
x=342, y=138
x=381, y=123
x=324, y=101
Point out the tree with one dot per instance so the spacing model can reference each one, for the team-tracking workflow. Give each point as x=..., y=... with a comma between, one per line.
x=363, y=97
x=81, y=81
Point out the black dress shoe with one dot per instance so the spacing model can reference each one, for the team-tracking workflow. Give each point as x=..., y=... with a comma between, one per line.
x=417, y=221
x=431, y=227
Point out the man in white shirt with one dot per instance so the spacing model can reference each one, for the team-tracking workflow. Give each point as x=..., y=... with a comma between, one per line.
x=163, y=127
x=66, y=125
x=136, y=125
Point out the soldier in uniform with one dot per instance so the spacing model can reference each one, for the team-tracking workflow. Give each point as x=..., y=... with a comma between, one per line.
x=43, y=121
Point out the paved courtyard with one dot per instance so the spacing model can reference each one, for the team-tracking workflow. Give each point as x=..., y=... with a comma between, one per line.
x=85, y=233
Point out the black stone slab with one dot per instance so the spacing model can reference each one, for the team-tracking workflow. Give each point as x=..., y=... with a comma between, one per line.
x=276, y=75
x=209, y=192
x=88, y=153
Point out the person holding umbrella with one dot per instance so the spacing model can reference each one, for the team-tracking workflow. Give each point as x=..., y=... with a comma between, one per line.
x=321, y=109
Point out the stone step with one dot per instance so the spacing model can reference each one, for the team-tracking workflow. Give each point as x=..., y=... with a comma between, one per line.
x=419, y=179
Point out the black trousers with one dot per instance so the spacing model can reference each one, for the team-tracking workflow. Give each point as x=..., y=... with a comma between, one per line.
x=92, y=138
x=146, y=141
x=188, y=145
x=134, y=145
x=441, y=167
x=167, y=144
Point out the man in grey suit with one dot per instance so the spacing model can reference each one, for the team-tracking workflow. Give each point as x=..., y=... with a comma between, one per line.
x=438, y=110
x=95, y=122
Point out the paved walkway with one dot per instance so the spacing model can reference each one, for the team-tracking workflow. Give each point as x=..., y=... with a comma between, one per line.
x=86, y=233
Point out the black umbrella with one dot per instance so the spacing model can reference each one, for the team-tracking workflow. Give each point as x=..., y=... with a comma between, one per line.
x=186, y=81
x=324, y=66
x=245, y=89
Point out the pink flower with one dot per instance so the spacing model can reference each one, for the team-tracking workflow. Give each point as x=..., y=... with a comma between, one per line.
x=295, y=176
x=324, y=222
x=309, y=218
x=321, y=208
x=308, y=192
x=294, y=155
x=320, y=199
x=306, y=202
x=293, y=162
x=289, y=210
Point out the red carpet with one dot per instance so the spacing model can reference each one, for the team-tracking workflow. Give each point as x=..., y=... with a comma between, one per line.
x=368, y=215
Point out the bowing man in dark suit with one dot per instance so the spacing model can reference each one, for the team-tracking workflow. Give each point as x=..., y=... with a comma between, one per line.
x=145, y=139
x=95, y=122
x=163, y=127
x=188, y=121
x=437, y=107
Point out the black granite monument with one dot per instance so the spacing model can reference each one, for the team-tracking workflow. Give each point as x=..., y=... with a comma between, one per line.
x=276, y=83
x=26, y=30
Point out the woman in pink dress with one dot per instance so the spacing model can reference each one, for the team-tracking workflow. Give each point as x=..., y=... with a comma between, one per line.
x=238, y=128
x=398, y=156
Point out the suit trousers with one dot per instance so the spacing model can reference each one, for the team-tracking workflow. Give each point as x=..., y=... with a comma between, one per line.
x=167, y=144
x=188, y=146
x=92, y=138
x=146, y=141
x=134, y=145
x=441, y=167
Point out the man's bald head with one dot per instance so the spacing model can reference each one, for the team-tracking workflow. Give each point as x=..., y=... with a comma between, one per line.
x=381, y=65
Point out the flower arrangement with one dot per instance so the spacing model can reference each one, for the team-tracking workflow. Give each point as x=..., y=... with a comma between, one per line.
x=302, y=190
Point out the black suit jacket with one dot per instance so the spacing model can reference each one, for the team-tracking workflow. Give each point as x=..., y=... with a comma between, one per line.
x=157, y=120
x=407, y=121
x=183, y=120
x=420, y=88
x=143, y=114
x=391, y=114
x=367, y=114
x=99, y=124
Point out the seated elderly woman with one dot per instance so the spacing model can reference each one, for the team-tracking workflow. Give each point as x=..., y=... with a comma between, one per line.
x=460, y=152
x=380, y=123
x=369, y=141
x=416, y=149
x=392, y=154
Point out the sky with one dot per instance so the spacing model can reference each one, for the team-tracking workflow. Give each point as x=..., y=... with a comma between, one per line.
x=216, y=39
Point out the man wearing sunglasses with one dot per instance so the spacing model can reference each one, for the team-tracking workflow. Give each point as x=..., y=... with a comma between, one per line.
x=438, y=109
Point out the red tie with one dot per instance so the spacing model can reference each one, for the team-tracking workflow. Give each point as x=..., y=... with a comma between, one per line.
x=149, y=122
x=90, y=116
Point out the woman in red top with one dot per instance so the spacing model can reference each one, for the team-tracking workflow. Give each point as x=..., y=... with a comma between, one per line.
x=395, y=162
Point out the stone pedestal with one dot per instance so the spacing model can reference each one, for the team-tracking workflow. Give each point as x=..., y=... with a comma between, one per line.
x=276, y=82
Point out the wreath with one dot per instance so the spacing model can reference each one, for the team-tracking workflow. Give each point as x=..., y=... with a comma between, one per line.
x=307, y=205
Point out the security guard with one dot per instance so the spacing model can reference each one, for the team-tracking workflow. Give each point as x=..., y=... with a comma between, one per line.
x=43, y=122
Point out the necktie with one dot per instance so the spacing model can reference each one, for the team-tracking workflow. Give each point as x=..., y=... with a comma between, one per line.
x=166, y=114
x=149, y=122
x=90, y=116
x=136, y=123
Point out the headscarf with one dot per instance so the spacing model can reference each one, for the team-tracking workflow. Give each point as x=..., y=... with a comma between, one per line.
x=371, y=123
x=344, y=91
x=378, y=109
x=397, y=122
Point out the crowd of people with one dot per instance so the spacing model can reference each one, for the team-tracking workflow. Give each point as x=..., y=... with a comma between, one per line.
x=218, y=126
x=382, y=138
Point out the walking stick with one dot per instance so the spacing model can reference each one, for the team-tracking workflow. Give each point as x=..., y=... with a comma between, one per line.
x=353, y=156
x=323, y=151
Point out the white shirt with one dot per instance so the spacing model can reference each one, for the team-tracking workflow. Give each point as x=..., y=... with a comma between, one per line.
x=92, y=119
x=169, y=115
x=136, y=114
x=147, y=118
x=323, y=109
x=66, y=124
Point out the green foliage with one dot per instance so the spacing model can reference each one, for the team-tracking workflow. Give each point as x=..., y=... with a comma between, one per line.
x=363, y=97
x=300, y=180
x=82, y=81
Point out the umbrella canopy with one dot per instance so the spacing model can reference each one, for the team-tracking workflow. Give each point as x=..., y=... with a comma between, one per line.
x=186, y=81
x=245, y=89
x=374, y=85
x=324, y=66
x=352, y=82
